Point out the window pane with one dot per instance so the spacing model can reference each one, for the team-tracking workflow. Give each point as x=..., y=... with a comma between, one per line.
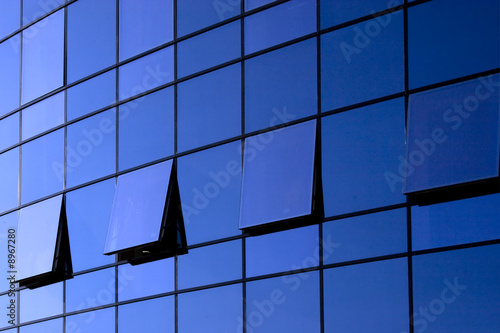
x=43, y=116
x=9, y=17
x=10, y=69
x=209, y=49
x=337, y=12
x=281, y=86
x=9, y=179
x=278, y=172
x=50, y=296
x=210, y=106
x=90, y=290
x=370, y=297
x=33, y=9
x=100, y=321
x=146, y=129
x=9, y=131
x=154, y=313
x=52, y=326
x=144, y=25
x=279, y=24
x=8, y=226
x=252, y=4
x=361, y=148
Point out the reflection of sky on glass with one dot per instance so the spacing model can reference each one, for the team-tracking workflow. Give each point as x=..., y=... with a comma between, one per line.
x=30, y=301
x=100, y=321
x=91, y=289
x=9, y=179
x=154, y=313
x=43, y=116
x=10, y=62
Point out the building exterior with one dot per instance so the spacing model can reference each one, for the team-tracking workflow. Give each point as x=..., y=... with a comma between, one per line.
x=337, y=164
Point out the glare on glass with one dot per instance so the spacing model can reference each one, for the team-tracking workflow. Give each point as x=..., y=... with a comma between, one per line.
x=10, y=71
x=43, y=116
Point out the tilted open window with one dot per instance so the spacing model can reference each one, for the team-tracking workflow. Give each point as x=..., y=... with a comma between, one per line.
x=146, y=220
x=43, y=244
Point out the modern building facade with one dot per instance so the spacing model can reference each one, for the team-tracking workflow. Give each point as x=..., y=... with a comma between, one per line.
x=336, y=164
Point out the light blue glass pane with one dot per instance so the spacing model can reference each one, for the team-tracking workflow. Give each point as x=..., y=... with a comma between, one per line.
x=211, y=310
x=42, y=166
x=447, y=40
x=90, y=290
x=100, y=321
x=9, y=17
x=209, y=49
x=370, y=297
x=9, y=131
x=88, y=211
x=336, y=12
x=279, y=24
x=362, y=62
x=10, y=304
x=156, y=314
x=281, y=86
x=282, y=251
x=37, y=233
x=365, y=236
x=145, y=280
x=50, y=296
x=289, y=303
x=52, y=326
x=43, y=116
x=457, y=291
x=210, y=106
x=10, y=72
x=144, y=25
x=209, y=185
x=9, y=179
x=146, y=73
x=278, y=170
x=193, y=15
x=456, y=222
x=33, y=9
x=43, y=57
x=146, y=129
x=361, y=150
x=210, y=264
x=91, y=37
x=102, y=89
x=8, y=236
x=252, y=4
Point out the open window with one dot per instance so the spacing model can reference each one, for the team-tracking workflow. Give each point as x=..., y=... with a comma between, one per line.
x=43, y=244
x=146, y=220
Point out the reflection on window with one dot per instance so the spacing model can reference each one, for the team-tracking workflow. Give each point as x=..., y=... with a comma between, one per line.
x=99, y=321
x=154, y=313
x=9, y=131
x=52, y=326
x=90, y=290
x=43, y=116
x=9, y=17
x=10, y=69
x=9, y=179
x=33, y=9
x=50, y=296
x=337, y=12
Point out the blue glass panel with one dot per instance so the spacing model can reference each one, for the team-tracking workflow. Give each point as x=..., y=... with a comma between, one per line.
x=145, y=280
x=52, y=326
x=155, y=314
x=453, y=135
x=193, y=15
x=281, y=86
x=457, y=291
x=146, y=129
x=100, y=321
x=50, y=296
x=8, y=236
x=360, y=157
x=209, y=185
x=210, y=264
x=370, y=297
x=102, y=89
x=337, y=12
x=210, y=106
x=10, y=69
x=9, y=131
x=282, y=251
x=90, y=290
x=283, y=304
x=42, y=168
x=365, y=236
x=9, y=17
x=144, y=25
x=210, y=310
x=91, y=37
x=362, y=62
x=43, y=57
x=209, y=49
x=146, y=73
x=278, y=170
x=279, y=24
x=9, y=179
x=252, y=4
x=37, y=233
x=447, y=41
x=43, y=116
x=33, y=9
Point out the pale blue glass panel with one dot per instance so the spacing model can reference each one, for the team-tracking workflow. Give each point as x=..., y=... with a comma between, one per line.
x=100, y=321
x=43, y=116
x=9, y=179
x=9, y=17
x=10, y=72
x=156, y=314
x=33, y=9
x=278, y=170
x=9, y=131
x=50, y=296
x=337, y=12
x=52, y=326
x=8, y=226
x=90, y=290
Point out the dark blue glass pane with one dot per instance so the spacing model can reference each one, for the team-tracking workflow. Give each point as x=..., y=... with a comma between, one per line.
x=10, y=69
x=33, y=9
x=447, y=40
x=156, y=315
x=43, y=116
x=138, y=207
x=370, y=297
x=209, y=49
x=146, y=129
x=283, y=304
x=43, y=57
x=252, y=4
x=9, y=17
x=210, y=106
x=90, y=290
x=9, y=179
x=453, y=135
x=282, y=251
x=8, y=230
x=209, y=184
x=362, y=62
x=42, y=169
x=100, y=321
x=365, y=236
x=144, y=25
x=102, y=89
x=52, y=326
x=211, y=310
x=278, y=170
x=193, y=15
x=457, y=291
x=281, y=86
x=337, y=12
x=360, y=157
x=9, y=131
x=88, y=210
x=50, y=296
